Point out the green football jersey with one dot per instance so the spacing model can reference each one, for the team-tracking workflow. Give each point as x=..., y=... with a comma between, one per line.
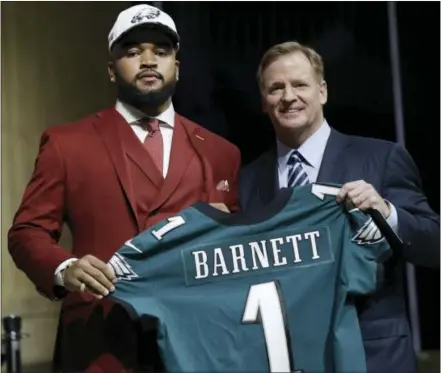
x=266, y=292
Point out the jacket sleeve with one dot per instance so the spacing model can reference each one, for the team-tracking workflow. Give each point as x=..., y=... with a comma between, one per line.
x=36, y=228
x=418, y=224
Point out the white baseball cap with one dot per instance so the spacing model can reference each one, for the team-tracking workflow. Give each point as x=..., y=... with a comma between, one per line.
x=139, y=15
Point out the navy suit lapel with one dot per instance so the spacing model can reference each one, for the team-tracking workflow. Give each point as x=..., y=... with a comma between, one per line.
x=334, y=164
x=268, y=176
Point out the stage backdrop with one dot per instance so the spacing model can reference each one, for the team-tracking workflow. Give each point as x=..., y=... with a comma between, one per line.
x=54, y=69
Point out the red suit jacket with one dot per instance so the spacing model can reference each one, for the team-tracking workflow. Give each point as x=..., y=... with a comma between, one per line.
x=82, y=177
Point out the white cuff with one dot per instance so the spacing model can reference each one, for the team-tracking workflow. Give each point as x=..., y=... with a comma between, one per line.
x=58, y=279
x=392, y=220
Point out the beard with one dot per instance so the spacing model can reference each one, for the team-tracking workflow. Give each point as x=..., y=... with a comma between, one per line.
x=132, y=95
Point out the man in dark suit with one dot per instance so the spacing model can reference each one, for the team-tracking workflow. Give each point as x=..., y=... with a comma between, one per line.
x=110, y=176
x=373, y=174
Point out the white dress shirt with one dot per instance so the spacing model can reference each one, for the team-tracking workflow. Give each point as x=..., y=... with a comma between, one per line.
x=131, y=116
x=312, y=150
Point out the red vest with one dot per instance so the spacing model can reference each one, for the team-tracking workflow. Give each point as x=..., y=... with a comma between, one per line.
x=147, y=181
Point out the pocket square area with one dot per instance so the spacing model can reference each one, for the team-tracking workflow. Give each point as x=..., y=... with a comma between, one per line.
x=223, y=186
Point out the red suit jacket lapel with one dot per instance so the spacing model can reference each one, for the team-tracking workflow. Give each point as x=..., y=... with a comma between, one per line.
x=112, y=128
x=108, y=126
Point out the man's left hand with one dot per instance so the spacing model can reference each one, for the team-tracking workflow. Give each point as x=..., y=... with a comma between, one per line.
x=363, y=196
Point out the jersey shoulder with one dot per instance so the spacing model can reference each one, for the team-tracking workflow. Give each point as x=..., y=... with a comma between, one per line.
x=315, y=194
x=173, y=230
x=367, y=228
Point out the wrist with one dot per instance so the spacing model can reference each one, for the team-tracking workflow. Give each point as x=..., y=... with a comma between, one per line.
x=61, y=271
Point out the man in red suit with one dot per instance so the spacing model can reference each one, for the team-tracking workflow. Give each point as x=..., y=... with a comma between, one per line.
x=110, y=176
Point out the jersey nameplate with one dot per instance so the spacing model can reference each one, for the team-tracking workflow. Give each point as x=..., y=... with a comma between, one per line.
x=257, y=254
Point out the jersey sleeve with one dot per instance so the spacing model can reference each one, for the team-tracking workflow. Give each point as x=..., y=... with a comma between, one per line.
x=133, y=288
x=131, y=283
x=365, y=248
x=140, y=262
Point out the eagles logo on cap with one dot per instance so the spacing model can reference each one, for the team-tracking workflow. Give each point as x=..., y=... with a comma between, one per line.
x=148, y=13
x=138, y=15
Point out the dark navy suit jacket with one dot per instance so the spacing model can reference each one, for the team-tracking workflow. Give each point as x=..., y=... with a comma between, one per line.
x=391, y=170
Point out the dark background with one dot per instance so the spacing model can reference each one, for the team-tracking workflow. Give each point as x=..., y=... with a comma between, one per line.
x=222, y=43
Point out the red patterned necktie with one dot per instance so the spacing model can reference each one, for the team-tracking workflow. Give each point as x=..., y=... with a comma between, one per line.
x=153, y=142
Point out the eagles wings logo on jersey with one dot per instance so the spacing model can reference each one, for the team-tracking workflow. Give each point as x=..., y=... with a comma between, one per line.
x=122, y=270
x=368, y=234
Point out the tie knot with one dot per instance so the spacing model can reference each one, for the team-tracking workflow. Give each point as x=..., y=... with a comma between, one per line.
x=295, y=157
x=151, y=124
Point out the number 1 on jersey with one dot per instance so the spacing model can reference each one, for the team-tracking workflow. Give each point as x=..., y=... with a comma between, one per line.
x=264, y=305
x=173, y=223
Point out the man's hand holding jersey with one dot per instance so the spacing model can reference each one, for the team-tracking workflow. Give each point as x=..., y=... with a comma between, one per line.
x=364, y=196
x=91, y=275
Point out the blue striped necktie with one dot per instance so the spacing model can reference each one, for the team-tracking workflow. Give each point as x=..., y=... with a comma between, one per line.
x=297, y=175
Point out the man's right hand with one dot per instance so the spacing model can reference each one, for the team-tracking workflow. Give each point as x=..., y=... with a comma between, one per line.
x=97, y=277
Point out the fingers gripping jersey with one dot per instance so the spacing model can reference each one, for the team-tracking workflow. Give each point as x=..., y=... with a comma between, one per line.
x=262, y=293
